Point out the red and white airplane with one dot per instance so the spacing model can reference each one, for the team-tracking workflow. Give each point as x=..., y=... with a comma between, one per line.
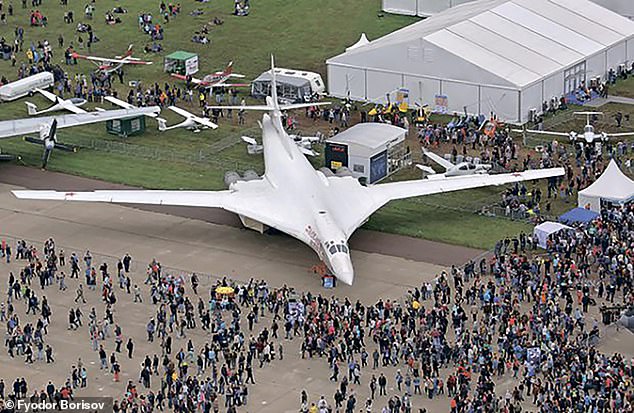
x=107, y=65
x=216, y=79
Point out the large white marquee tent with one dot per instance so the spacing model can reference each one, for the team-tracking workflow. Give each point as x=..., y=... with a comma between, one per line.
x=426, y=8
x=502, y=56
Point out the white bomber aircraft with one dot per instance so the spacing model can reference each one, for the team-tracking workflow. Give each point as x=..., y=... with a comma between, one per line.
x=294, y=198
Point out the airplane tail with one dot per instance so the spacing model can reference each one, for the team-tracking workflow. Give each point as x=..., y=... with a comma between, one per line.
x=162, y=124
x=129, y=51
x=229, y=68
x=31, y=108
x=275, y=103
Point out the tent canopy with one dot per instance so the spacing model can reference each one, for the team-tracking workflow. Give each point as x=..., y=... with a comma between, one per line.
x=180, y=55
x=578, y=215
x=363, y=40
x=544, y=230
x=532, y=38
x=612, y=186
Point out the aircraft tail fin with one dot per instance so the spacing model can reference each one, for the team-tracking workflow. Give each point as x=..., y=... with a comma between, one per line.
x=275, y=102
x=31, y=108
x=162, y=124
x=229, y=68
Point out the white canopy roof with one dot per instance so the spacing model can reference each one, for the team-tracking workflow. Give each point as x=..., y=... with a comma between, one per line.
x=521, y=41
x=544, y=230
x=363, y=40
x=612, y=185
x=371, y=135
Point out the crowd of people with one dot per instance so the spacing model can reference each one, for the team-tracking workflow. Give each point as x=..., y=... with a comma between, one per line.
x=517, y=330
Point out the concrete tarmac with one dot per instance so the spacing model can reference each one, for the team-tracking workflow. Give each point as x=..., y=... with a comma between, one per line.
x=184, y=245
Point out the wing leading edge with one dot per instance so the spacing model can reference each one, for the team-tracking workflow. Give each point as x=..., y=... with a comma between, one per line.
x=174, y=198
x=361, y=202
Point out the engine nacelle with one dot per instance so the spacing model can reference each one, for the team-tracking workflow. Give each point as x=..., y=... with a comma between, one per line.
x=250, y=175
x=231, y=177
x=326, y=171
x=344, y=171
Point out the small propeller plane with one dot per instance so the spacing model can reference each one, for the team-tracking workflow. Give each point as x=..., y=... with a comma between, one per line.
x=191, y=122
x=71, y=105
x=588, y=136
x=107, y=65
x=451, y=169
x=216, y=79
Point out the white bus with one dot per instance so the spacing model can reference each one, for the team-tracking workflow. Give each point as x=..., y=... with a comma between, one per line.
x=25, y=86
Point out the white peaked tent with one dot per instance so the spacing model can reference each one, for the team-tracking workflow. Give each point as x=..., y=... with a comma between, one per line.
x=612, y=186
x=363, y=40
x=545, y=229
x=502, y=56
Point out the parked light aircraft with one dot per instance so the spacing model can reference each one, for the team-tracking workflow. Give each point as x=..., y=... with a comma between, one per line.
x=46, y=126
x=191, y=122
x=71, y=105
x=319, y=210
x=588, y=135
x=451, y=169
x=108, y=65
x=216, y=79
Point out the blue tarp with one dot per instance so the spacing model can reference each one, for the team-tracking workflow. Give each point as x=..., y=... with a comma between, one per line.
x=578, y=215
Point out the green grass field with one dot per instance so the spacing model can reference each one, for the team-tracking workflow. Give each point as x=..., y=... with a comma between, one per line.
x=301, y=34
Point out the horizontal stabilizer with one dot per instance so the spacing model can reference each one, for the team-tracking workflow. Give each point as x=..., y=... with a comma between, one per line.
x=31, y=108
x=249, y=140
x=427, y=169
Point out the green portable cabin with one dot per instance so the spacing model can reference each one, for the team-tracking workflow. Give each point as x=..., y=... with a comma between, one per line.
x=182, y=63
x=126, y=127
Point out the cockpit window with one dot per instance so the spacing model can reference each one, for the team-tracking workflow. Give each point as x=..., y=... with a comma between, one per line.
x=334, y=248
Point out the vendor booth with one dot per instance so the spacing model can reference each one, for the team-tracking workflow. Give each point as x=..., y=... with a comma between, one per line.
x=611, y=187
x=546, y=229
x=182, y=63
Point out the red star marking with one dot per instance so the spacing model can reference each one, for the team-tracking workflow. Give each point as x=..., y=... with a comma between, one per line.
x=517, y=174
x=69, y=194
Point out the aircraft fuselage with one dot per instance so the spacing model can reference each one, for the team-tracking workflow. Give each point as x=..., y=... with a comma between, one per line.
x=299, y=184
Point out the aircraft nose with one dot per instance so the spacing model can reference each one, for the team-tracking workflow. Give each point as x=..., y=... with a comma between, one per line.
x=342, y=266
x=345, y=277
